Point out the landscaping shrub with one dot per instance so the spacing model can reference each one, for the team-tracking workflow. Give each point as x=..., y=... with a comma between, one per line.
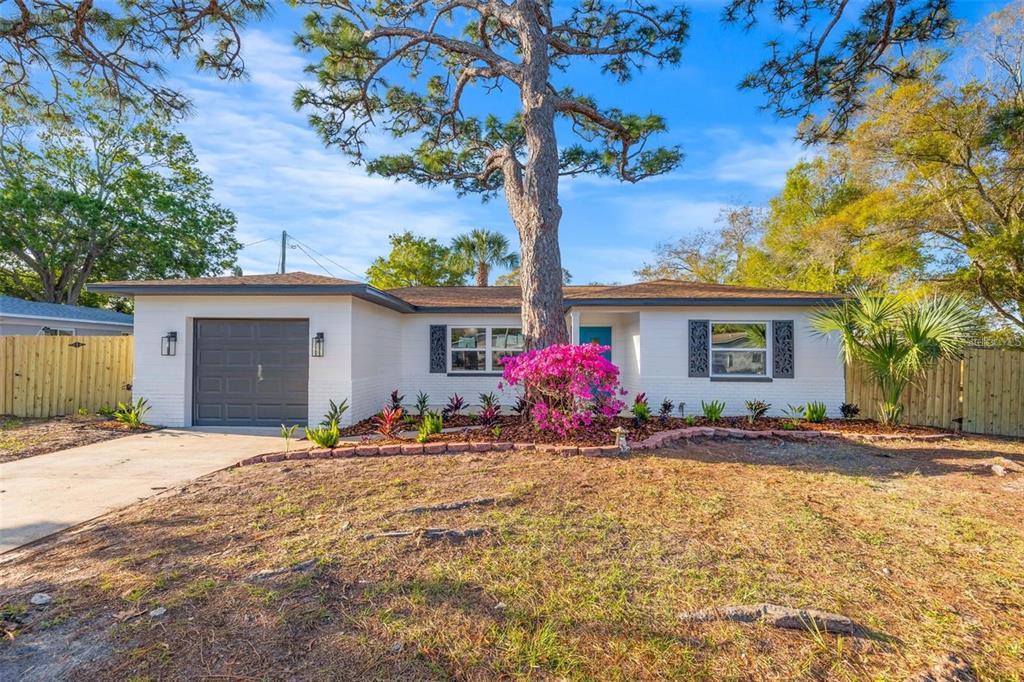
x=324, y=436
x=396, y=400
x=432, y=423
x=388, y=421
x=713, y=410
x=815, y=412
x=641, y=410
x=666, y=410
x=489, y=415
x=132, y=414
x=849, y=410
x=422, y=403
x=334, y=413
x=488, y=400
x=757, y=409
x=566, y=386
x=287, y=432
x=455, y=405
x=522, y=408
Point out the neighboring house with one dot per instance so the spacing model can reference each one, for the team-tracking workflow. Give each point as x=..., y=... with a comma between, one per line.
x=267, y=349
x=19, y=317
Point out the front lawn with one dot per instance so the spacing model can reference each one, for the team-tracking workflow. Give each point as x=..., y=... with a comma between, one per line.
x=581, y=571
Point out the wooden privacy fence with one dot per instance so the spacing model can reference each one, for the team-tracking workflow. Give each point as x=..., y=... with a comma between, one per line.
x=48, y=376
x=985, y=390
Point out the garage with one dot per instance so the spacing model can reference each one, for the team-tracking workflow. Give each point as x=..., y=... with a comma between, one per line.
x=250, y=372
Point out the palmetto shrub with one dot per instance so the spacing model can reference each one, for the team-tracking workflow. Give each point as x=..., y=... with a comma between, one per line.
x=897, y=339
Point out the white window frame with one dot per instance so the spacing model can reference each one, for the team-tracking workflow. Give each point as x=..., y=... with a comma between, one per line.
x=488, y=347
x=767, y=349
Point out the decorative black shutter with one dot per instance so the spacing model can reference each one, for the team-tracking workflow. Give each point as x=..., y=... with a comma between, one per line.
x=700, y=348
x=783, y=366
x=438, y=349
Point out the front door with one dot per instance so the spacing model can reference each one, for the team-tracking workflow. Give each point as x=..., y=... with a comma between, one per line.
x=602, y=336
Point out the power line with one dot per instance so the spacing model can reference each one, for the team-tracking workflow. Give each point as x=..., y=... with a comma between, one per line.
x=245, y=246
x=310, y=256
x=325, y=257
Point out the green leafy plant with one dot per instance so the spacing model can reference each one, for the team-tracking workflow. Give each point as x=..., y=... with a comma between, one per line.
x=432, y=423
x=691, y=420
x=897, y=339
x=665, y=410
x=496, y=431
x=132, y=414
x=849, y=410
x=756, y=409
x=388, y=421
x=713, y=411
x=815, y=412
x=106, y=411
x=287, y=432
x=82, y=412
x=488, y=400
x=794, y=412
x=789, y=425
x=325, y=436
x=333, y=415
x=422, y=404
x=641, y=410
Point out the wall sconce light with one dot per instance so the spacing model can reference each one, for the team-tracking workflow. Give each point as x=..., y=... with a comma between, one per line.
x=169, y=343
x=318, y=345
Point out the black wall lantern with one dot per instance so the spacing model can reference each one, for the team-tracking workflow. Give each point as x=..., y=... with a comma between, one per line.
x=169, y=343
x=318, y=345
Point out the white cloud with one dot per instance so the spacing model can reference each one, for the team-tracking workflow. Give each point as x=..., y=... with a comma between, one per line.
x=759, y=163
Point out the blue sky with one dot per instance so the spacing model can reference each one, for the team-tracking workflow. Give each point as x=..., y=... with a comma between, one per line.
x=273, y=172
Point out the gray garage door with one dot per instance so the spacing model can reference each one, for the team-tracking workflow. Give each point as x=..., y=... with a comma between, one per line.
x=250, y=372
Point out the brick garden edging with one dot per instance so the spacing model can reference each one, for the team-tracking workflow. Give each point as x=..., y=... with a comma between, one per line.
x=657, y=441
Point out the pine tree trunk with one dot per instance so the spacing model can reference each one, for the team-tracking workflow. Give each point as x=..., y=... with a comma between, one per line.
x=537, y=213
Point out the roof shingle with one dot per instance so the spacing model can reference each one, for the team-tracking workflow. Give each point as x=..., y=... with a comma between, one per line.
x=17, y=307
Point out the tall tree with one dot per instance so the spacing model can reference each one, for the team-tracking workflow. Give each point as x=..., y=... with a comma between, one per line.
x=417, y=261
x=947, y=155
x=707, y=256
x=448, y=45
x=484, y=249
x=92, y=191
x=511, y=278
x=368, y=49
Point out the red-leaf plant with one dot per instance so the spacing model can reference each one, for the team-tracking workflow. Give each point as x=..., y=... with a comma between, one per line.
x=568, y=386
x=388, y=421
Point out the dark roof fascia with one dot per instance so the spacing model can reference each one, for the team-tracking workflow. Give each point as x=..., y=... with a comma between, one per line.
x=374, y=295
x=362, y=291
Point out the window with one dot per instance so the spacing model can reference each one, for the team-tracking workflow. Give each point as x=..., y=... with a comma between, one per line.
x=739, y=349
x=56, y=331
x=480, y=349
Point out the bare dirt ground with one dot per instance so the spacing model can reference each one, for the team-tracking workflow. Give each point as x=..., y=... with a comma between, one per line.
x=25, y=437
x=582, y=570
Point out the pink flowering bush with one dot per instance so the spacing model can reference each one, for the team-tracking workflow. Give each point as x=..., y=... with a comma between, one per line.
x=567, y=386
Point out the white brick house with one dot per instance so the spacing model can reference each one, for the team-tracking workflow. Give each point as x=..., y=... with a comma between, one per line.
x=267, y=349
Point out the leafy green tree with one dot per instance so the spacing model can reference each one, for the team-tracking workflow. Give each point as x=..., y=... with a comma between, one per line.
x=482, y=250
x=816, y=238
x=92, y=191
x=511, y=278
x=404, y=69
x=417, y=261
x=713, y=257
x=897, y=339
x=947, y=158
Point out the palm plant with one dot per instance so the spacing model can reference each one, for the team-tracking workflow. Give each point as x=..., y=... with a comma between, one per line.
x=482, y=249
x=897, y=339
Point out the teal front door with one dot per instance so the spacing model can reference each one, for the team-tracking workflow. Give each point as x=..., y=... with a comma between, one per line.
x=602, y=336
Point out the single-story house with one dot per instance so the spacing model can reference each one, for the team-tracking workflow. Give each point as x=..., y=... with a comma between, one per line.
x=19, y=317
x=271, y=349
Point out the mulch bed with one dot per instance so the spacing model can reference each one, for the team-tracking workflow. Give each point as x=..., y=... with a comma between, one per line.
x=514, y=429
x=27, y=437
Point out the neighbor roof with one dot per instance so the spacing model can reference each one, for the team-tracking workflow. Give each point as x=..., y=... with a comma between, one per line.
x=471, y=299
x=17, y=307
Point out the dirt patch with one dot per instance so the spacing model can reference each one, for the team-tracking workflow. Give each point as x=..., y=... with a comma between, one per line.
x=25, y=437
x=582, y=574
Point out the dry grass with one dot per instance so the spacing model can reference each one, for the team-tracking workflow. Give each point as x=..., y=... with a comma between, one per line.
x=589, y=564
x=22, y=437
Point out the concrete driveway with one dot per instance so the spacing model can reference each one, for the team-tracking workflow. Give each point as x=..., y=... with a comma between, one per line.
x=46, y=493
